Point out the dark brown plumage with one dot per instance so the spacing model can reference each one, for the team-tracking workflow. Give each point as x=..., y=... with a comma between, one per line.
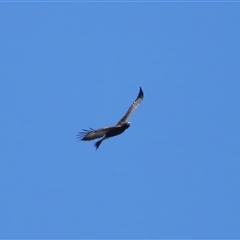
x=107, y=132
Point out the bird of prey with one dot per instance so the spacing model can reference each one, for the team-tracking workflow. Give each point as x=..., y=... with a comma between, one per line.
x=112, y=131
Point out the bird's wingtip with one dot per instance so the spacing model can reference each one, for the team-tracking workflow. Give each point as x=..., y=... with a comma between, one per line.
x=140, y=92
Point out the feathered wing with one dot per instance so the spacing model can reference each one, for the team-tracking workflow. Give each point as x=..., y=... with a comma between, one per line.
x=91, y=134
x=134, y=105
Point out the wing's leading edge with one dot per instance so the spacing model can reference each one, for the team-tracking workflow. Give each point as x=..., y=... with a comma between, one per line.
x=134, y=105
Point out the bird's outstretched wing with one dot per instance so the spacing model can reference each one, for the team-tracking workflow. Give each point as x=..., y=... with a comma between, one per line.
x=132, y=107
x=91, y=134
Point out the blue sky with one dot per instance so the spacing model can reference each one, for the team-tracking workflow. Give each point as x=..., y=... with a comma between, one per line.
x=173, y=174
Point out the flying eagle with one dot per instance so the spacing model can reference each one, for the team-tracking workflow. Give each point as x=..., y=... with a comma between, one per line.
x=112, y=131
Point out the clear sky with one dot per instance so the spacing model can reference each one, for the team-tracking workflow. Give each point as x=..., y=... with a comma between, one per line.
x=175, y=173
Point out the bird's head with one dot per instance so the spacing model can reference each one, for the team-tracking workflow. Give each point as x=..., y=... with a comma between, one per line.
x=127, y=125
x=124, y=125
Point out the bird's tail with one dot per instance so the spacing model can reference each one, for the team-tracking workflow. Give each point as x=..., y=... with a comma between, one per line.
x=97, y=144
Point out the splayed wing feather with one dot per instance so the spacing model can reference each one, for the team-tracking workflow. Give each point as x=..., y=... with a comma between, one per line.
x=134, y=105
x=88, y=135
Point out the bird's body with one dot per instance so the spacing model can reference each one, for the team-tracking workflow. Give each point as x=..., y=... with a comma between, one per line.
x=112, y=131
